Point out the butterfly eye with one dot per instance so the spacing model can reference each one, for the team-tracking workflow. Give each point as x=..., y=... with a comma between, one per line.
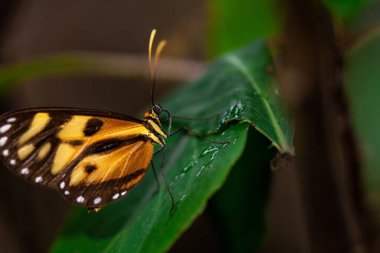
x=157, y=109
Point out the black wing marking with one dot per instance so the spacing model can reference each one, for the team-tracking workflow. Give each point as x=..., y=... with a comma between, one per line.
x=37, y=168
x=31, y=169
x=100, y=187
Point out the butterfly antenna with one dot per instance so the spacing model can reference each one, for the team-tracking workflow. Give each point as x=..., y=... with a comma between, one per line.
x=157, y=54
x=152, y=35
x=153, y=65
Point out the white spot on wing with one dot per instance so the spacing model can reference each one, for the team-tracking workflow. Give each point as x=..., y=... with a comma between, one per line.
x=11, y=119
x=38, y=179
x=12, y=162
x=5, y=128
x=62, y=185
x=116, y=196
x=80, y=199
x=24, y=171
x=5, y=152
x=123, y=193
x=97, y=200
x=3, y=140
x=66, y=193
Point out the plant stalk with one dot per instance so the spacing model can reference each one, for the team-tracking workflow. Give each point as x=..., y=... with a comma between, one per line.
x=310, y=70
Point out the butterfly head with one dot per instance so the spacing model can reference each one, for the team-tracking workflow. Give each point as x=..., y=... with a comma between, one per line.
x=156, y=109
x=154, y=112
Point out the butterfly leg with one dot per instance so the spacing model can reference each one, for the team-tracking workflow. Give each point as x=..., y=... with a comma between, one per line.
x=206, y=118
x=163, y=175
x=198, y=135
x=154, y=168
x=155, y=175
x=188, y=130
x=164, y=179
x=158, y=151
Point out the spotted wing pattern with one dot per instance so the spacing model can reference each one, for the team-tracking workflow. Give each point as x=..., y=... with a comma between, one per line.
x=91, y=157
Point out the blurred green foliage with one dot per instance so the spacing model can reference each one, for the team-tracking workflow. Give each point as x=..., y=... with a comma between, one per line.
x=367, y=17
x=74, y=63
x=344, y=9
x=363, y=78
x=236, y=23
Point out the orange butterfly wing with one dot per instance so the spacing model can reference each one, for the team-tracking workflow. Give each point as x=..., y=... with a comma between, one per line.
x=100, y=179
x=92, y=157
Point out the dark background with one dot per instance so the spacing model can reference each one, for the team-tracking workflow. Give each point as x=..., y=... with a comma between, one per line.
x=30, y=217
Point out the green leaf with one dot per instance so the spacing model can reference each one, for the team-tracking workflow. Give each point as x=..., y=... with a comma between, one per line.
x=363, y=78
x=238, y=87
x=236, y=92
x=239, y=207
x=237, y=23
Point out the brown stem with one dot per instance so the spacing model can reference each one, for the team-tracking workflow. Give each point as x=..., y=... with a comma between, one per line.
x=327, y=163
x=98, y=64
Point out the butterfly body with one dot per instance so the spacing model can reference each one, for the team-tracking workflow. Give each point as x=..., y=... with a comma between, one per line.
x=91, y=157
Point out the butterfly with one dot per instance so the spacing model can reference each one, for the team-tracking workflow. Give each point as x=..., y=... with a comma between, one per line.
x=91, y=157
